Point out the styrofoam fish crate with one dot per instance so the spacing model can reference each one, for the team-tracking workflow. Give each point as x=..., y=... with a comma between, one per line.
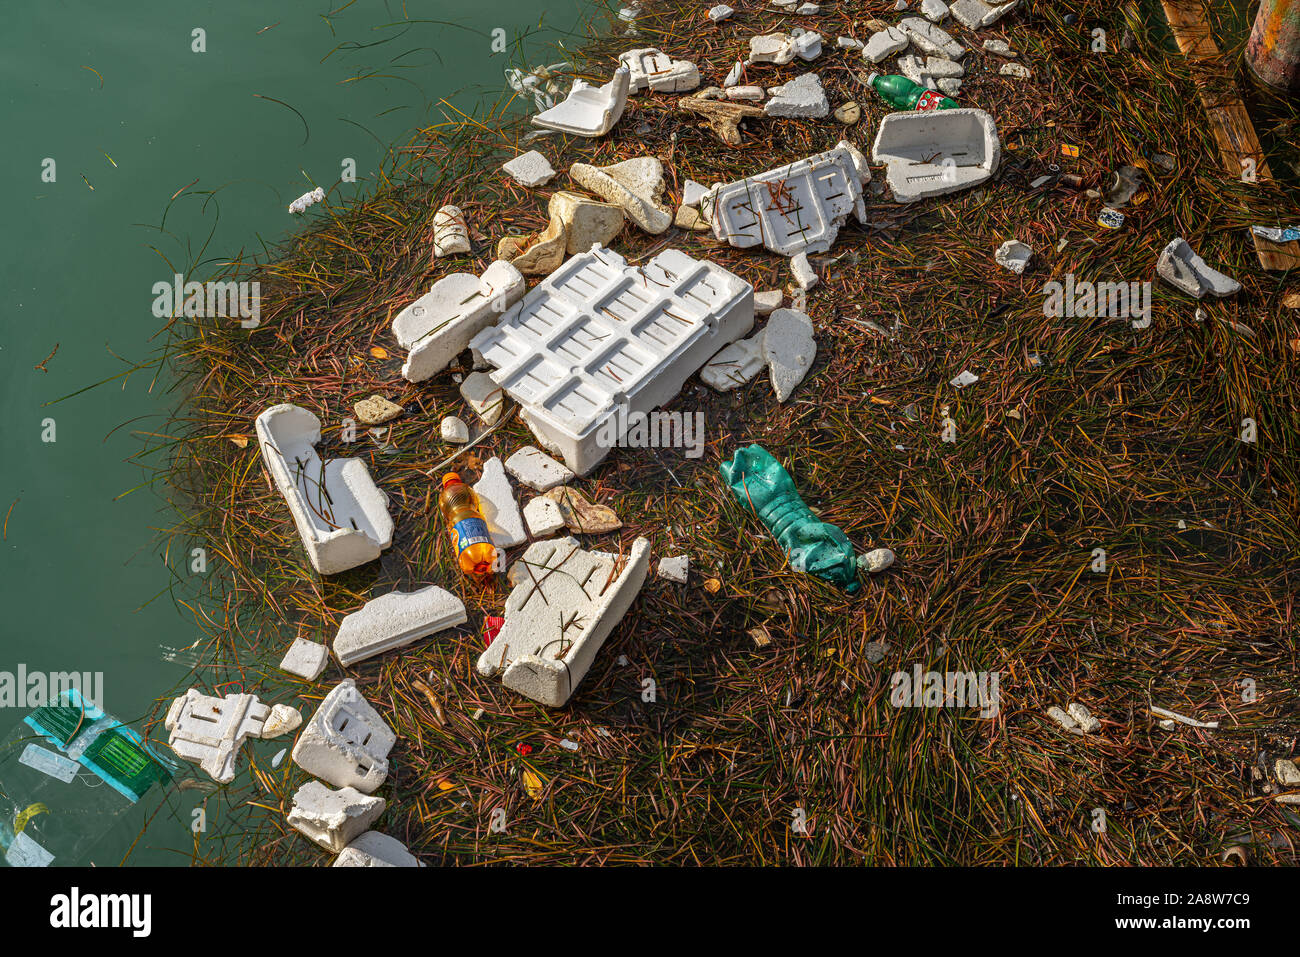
x=797, y=208
x=599, y=339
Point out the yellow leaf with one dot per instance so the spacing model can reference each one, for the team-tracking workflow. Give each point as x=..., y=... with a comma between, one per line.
x=379, y=352
x=533, y=785
x=239, y=440
x=446, y=785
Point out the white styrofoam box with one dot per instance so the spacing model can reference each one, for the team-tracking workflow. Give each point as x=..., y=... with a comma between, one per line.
x=589, y=110
x=373, y=849
x=209, y=731
x=333, y=819
x=438, y=326
x=793, y=209
x=394, y=621
x=305, y=658
x=599, y=338
x=346, y=742
x=654, y=70
x=342, y=516
x=557, y=617
x=936, y=152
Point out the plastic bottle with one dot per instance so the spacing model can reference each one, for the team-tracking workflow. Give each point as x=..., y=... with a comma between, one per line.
x=902, y=94
x=759, y=482
x=475, y=552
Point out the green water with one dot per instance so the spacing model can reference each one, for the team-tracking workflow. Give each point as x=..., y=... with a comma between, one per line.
x=131, y=114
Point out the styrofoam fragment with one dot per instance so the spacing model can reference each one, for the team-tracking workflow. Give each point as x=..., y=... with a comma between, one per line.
x=931, y=39
x=209, y=731
x=963, y=379
x=557, y=618
x=859, y=161
x=693, y=192
x=1182, y=268
x=394, y=621
x=913, y=67
x=281, y=720
x=948, y=85
x=975, y=14
x=373, y=849
x=720, y=12
x=808, y=9
x=537, y=470
x=654, y=70
x=1013, y=256
x=530, y=169
x=766, y=302
x=941, y=67
x=454, y=429
x=735, y=364
x=635, y=184
x=599, y=339
x=346, y=742
x=483, y=394
x=307, y=199
x=586, y=221
x=746, y=94
x=1000, y=47
x=306, y=659
x=675, y=569
x=497, y=499
x=936, y=151
x=796, y=208
x=936, y=11
x=1061, y=718
x=876, y=560
x=733, y=75
x=1286, y=772
x=808, y=45
x=450, y=232
x=805, y=277
x=885, y=43
x=588, y=110
x=543, y=517
x=1018, y=70
x=438, y=326
x=775, y=48
x=848, y=43
x=341, y=515
x=801, y=98
x=789, y=350
x=1081, y=714
x=333, y=819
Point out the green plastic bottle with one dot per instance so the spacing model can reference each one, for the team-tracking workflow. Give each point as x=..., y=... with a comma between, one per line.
x=902, y=94
x=813, y=546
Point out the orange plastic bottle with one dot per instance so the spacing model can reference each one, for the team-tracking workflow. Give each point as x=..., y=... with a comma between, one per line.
x=475, y=552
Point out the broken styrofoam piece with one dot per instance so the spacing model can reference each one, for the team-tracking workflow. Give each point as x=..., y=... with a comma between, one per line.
x=675, y=569
x=805, y=277
x=976, y=14
x=1087, y=722
x=654, y=70
x=543, y=517
x=1181, y=267
x=537, y=256
x=454, y=429
x=789, y=350
x=1000, y=47
x=801, y=98
x=766, y=302
x=559, y=613
x=876, y=560
x=807, y=45
x=530, y=169
x=720, y=12
x=333, y=819
x=735, y=364
x=913, y=67
x=373, y=849
x=748, y=94
x=1286, y=772
x=885, y=43
x=394, y=621
x=796, y=208
x=635, y=184
x=1013, y=256
x=600, y=340
x=589, y=110
x=693, y=192
x=483, y=395
x=1183, y=719
x=948, y=86
x=777, y=48
x=859, y=161
x=586, y=221
x=438, y=326
x=341, y=515
x=1018, y=70
x=537, y=470
x=209, y=731
x=936, y=152
x=500, y=511
x=848, y=43
x=936, y=11
x=929, y=38
x=450, y=232
x=1063, y=719
x=307, y=199
x=306, y=659
x=346, y=742
x=543, y=83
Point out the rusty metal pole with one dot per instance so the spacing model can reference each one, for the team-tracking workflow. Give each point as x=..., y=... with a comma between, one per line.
x=1273, y=51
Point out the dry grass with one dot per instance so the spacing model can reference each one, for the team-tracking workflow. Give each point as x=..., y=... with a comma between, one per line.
x=1108, y=443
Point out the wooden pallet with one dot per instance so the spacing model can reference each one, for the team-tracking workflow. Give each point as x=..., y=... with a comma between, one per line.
x=1229, y=121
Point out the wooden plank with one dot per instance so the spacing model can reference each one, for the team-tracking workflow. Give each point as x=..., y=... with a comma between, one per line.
x=1229, y=121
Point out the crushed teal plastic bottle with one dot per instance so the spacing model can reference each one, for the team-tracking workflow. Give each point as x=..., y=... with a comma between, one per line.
x=811, y=545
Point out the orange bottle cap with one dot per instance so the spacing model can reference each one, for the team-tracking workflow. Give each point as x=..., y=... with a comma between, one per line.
x=451, y=478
